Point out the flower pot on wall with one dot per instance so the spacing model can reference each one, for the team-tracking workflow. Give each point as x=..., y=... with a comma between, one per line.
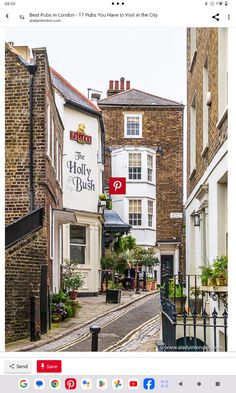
x=179, y=303
x=73, y=295
x=197, y=306
x=148, y=286
x=154, y=286
x=221, y=281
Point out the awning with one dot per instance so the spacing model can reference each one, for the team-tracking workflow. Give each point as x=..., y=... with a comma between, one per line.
x=113, y=224
x=64, y=217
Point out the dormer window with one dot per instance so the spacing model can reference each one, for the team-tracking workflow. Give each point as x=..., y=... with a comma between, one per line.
x=133, y=125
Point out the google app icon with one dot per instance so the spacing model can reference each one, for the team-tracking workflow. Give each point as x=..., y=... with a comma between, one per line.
x=23, y=383
x=55, y=383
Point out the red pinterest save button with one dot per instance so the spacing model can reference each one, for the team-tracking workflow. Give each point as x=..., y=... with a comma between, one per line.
x=49, y=366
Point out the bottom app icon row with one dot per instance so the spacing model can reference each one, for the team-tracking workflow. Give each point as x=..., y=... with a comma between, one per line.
x=86, y=383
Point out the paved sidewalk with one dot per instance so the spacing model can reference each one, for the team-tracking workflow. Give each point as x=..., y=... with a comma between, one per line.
x=91, y=309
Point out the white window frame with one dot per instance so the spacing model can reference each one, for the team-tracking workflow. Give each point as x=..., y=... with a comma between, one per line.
x=132, y=178
x=193, y=46
x=51, y=232
x=150, y=212
x=53, y=138
x=150, y=168
x=193, y=130
x=48, y=130
x=141, y=219
x=222, y=71
x=140, y=117
x=205, y=117
x=80, y=245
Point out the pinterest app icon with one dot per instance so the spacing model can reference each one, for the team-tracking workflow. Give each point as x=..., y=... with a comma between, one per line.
x=70, y=383
x=117, y=185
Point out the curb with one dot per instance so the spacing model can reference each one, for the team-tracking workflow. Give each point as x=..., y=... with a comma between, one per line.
x=72, y=330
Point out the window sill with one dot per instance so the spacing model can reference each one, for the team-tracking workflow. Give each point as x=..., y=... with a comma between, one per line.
x=205, y=150
x=142, y=228
x=133, y=136
x=192, y=174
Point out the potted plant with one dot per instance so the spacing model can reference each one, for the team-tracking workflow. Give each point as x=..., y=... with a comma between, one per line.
x=154, y=285
x=220, y=269
x=207, y=275
x=113, y=293
x=105, y=200
x=195, y=302
x=176, y=296
x=149, y=284
x=56, y=318
x=59, y=310
x=72, y=279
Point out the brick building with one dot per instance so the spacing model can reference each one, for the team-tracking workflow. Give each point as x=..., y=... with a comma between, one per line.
x=34, y=147
x=207, y=169
x=144, y=143
x=207, y=145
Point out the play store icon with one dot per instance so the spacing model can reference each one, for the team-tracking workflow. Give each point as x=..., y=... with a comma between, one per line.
x=102, y=384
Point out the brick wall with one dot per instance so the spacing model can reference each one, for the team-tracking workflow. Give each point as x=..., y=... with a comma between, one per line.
x=24, y=263
x=161, y=127
x=22, y=278
x=207, y=46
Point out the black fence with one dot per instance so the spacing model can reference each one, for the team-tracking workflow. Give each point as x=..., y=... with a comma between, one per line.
x=187, y=322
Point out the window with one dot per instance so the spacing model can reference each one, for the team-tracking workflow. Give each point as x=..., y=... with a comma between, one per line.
x=205, y=106
x=52, y=142
x=150, y=168
x=193, y=136
x=133, y=125
x=135, y=166
x=77, y=243
x=150, y=213
x=51, y=228
x=49, y=130
x=193, y=45
x=135, y=212
x=222, y=70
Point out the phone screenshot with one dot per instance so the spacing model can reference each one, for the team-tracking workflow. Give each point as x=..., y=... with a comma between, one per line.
x=118, y=196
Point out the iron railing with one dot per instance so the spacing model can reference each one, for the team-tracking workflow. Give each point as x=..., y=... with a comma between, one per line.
x=188, y=323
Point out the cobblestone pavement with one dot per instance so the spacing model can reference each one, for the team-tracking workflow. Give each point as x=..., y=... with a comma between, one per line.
x=91, y=309
x=137, y=323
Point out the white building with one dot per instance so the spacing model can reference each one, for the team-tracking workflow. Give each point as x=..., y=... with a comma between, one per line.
x=82, y=182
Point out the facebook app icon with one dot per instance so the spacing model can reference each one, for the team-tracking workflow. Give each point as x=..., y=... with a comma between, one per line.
x=149, y=383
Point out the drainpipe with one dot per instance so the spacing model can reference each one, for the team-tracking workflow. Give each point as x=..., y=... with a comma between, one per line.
x=32, y=69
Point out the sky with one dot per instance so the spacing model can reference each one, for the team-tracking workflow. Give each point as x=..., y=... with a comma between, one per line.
x=153, y=59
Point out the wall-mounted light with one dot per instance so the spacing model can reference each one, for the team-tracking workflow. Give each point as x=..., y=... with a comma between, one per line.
x=159, y=150
x=196, y=218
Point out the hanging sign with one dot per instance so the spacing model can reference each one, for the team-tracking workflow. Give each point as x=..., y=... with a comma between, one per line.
x=80, y=135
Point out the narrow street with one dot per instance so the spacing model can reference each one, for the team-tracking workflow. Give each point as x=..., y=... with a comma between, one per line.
x=127, y=329
x=123, y=328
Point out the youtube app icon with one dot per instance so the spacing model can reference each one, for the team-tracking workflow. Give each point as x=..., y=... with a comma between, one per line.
x=133, y=384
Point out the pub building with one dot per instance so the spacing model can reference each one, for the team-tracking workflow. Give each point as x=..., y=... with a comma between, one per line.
x=82, y=183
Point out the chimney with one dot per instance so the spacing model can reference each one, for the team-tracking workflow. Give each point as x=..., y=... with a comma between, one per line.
x=24, y=52
x=127, y=85
x=95, y=97
x=117, y=86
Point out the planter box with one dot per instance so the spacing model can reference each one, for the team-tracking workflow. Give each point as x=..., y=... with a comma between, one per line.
x=198, y=305
x=179, y=303
x=221, y=281
x=154, y=286
x=113, y=295
x=149, y=286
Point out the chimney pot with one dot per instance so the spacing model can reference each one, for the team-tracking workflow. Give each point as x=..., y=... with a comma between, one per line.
x=95, y=97
x=110, y=85
x=122, y=83
x=116, y=85
x=127, y=85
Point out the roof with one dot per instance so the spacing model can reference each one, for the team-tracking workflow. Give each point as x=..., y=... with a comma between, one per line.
x=70, y=93
x=134, y=97
x=114, y=223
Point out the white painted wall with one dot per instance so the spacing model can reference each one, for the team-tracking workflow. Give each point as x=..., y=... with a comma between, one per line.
x=136, y=189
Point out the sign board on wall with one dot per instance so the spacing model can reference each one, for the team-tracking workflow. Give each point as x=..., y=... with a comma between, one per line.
x=176, y=215
x=80, y=135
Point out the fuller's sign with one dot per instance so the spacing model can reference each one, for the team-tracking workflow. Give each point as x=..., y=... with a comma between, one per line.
x=80, y=135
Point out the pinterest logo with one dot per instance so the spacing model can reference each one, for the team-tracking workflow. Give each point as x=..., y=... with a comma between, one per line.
x=117, y=185
x=70, y=383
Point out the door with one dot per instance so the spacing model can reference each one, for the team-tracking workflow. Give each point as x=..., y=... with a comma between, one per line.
x=167, y=265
